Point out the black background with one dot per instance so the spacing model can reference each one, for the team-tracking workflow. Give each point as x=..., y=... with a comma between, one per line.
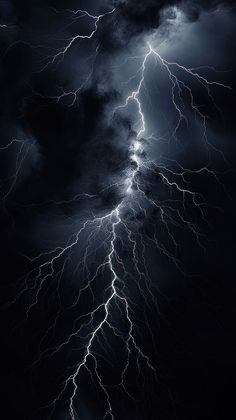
x=194, y=328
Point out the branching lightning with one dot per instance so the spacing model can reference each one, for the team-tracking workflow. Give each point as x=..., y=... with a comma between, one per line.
x=23, y=150
x=120, y=229
x=78, y=14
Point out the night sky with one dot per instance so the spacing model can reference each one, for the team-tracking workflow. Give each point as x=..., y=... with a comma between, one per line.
x=117, y=209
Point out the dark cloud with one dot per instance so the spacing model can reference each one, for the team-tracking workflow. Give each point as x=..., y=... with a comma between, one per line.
x=79, y=144
x=139, y=16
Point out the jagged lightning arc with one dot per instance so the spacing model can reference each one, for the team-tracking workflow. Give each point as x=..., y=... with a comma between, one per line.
x=119, y=226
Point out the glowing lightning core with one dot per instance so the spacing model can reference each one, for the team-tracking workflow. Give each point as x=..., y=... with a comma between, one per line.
x=116, y=228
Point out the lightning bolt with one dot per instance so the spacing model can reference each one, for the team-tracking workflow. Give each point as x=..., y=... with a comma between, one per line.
x=120, y=229
x=77, y=14
x=24, y=148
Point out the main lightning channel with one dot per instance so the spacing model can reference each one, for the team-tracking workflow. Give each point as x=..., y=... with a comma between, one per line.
x=114, y=226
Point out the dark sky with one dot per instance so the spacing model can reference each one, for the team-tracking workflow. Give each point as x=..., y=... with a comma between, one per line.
x=68, y=136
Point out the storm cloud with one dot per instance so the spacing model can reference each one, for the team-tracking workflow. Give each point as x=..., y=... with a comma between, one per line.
x=68, y=135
